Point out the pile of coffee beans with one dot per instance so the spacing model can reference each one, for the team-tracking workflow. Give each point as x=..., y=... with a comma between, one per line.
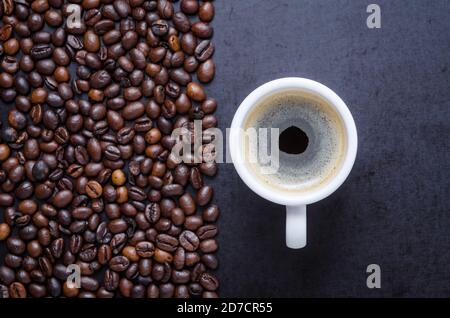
x=93, y=90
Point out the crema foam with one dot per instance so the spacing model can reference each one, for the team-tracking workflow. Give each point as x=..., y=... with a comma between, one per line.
x=320, y=138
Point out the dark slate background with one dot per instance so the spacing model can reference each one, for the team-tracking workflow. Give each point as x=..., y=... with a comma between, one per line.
x=393, y=209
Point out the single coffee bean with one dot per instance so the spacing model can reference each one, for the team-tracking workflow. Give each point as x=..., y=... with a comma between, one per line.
x=40, y=170
x=206, y=11
x=15, y=245
x=193, y=222
x=162, y=256
x=206, y=71
x=17, y=290
x=119, y=263
x=6, y=275
x=93, y=189
x=166, y=242
x=208, y=168
x=207, y=232
x=204, y=195
x=195, y=91
x=130, y=253
x=152, y=212
x=160, y=27
x=189, y=6
x=117, y=226
x=204, y=50
x=112, y=153
x=4, y=231
x=111, y=280
x=172, y=190
x=62, y=198
x=202, y=29
x=208, y=246
x=210, y=261
x=209, y=282
x=145, y=249
x=181, y=22
x=104, y=254
x=189, y=241
x=211, y=213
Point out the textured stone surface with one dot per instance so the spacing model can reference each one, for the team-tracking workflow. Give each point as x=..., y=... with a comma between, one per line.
x=394, y=208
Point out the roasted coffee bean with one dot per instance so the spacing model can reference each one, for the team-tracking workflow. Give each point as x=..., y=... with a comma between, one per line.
x=152, y=212
x=63, y=198
x=180, y=76
x=207, y=232
x=204, y=50
x=189, y=241
x=202, y=29
x=122, y=8
x=93, y=189
x=206, y=11
x=125, y=135
x=188, y=43
x=119, y=263
x=211, y=213
x=111, y=280
x=89, y=283
x=6, y=275
x=145, y=249
x=112, y=153
x=193, y=222
x=196, y=178
x=172, y=190
x=82, y=213
x=187, y=204
x=210, y=261
x=17, y=290
x=180, y=276
x=197, y=271
x=209, y=282
x=118, y=177
x=160, y=27
x=133, y=110
x=189, y=6
x=166, y=243
x=195, y=289
x=4, y=231
x=206, y=71
x=54, y=287
x=104, y=254
x=179, y=258
x=15, y=245
x=195, y=91
x=208, y=246
x=130, y=253
x=181, y=22
x=117, y=226
x=204, y=195
x=162, y=256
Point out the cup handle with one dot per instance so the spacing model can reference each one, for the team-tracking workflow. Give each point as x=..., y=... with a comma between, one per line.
x=296, y=226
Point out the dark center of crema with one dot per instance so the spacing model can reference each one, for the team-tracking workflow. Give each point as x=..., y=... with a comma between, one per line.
x=293, y=141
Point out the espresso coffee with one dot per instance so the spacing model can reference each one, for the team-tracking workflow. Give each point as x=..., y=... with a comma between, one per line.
x=311, y=141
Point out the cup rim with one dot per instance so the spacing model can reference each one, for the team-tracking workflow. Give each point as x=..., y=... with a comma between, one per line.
x=308, y=86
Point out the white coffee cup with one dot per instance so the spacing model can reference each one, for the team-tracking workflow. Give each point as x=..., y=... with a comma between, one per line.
x=295, y=205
